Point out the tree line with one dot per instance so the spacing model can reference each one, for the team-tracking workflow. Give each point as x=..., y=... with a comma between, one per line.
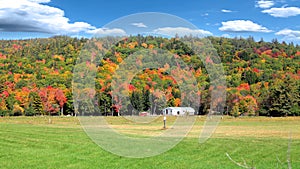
x=262, y=78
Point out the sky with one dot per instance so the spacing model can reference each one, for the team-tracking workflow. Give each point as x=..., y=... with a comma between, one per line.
x=267, y=19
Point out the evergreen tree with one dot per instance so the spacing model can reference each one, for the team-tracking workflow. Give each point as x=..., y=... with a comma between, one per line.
x=146, y=100
x=283, y=99
x=35, y=104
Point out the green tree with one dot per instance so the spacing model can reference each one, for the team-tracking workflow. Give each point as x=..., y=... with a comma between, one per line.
x=283, y=99
x=35, y=105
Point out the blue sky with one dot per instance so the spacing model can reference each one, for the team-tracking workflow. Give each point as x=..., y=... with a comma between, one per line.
x=21, y=19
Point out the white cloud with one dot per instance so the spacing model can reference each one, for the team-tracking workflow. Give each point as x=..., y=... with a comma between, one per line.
x=242, y=26
x=226, y=11
x=139, y=25
x=40, y=1
x=36, y=16
x=289, y=34
x=225, y=35
x=106, y=32
x=264, y=4
x=182, y=31
x=283, y=12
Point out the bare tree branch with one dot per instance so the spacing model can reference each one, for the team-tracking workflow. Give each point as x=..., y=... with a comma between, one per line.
x=238, y=164
x=278, y=161
x=244, y=165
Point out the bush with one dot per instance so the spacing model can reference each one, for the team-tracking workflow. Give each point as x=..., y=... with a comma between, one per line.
x=29, y=111
x=295, y=110
x=235, y=111
x=4, y=113
x=17, y=110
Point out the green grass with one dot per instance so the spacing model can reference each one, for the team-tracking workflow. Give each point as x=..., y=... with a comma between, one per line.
x=31, y=142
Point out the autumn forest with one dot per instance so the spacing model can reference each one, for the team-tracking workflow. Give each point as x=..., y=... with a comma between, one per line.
x=262, y=78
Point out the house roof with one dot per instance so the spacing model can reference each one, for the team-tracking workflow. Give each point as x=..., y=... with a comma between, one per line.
x=181, y=108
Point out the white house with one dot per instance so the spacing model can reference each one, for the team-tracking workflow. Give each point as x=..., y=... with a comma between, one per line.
x=178, y=111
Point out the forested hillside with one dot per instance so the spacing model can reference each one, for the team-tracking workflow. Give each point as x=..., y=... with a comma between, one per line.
x=262, y=77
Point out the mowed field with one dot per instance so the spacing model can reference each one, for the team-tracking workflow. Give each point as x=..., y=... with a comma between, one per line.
x=260, y=142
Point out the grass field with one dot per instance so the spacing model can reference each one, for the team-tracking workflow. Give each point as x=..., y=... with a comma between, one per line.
x=261, y=142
